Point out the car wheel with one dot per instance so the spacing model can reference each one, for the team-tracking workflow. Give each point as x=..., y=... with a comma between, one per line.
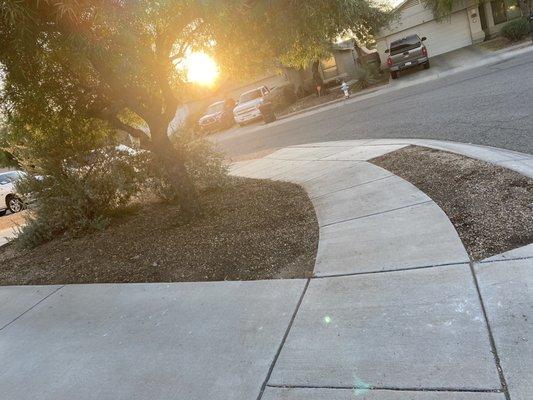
x=14, y=204
x=2, y=213
x=394, y=74
x=426, y=65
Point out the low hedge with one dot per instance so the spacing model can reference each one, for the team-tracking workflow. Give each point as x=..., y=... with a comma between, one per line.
x=516, y=30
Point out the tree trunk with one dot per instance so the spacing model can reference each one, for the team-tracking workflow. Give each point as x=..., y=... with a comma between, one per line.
x=173, y=161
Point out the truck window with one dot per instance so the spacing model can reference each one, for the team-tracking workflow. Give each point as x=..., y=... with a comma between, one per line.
x=251, y=95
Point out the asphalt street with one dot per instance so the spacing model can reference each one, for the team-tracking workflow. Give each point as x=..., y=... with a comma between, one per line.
x=490, y=105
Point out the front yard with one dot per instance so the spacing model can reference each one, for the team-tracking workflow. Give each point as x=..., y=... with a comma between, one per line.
x=252, y=229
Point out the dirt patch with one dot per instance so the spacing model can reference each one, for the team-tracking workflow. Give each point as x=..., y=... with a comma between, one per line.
x=12, y=220
x=253, y=229
x=500, y=43
x=491, y=207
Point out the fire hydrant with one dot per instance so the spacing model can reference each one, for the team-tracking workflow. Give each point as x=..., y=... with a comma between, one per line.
x=346, y=89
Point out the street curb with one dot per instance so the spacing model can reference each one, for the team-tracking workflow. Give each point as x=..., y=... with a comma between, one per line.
x=339, y=100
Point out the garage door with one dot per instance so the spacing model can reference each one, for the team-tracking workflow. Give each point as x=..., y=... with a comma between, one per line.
x=448, y=35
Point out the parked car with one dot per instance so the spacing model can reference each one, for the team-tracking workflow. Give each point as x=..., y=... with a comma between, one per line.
x=247, y=109
x=9, y=200
x=218, y=116
x=407, y=53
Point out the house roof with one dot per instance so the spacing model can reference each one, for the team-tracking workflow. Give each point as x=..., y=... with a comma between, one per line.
x=406, y=4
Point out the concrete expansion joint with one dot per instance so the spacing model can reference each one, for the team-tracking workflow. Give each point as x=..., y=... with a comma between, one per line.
x=32, y=307
x=384, y=271
x=283, y=340
x=377, y=213
x=505, y=260
x=494, y=350
x=390, y=388
x=353, y=186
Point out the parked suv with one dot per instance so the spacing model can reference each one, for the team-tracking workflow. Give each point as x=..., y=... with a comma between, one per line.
x=9, y=200
x=247, y=109
x=406, y=53
x=218, y=116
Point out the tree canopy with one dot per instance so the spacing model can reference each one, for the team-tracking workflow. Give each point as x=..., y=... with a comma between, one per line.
x=113, y=61
x=443, y=8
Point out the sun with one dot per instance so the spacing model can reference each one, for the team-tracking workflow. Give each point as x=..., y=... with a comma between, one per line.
x=201, y=68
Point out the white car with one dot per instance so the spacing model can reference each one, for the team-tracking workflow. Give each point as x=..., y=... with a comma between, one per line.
x=247, y=108
x=9, y=200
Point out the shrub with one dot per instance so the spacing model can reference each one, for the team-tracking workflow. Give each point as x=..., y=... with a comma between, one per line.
x=366, y=76
x=205, y=166
x=282, y=96
x=516, y=29
x=82, y=197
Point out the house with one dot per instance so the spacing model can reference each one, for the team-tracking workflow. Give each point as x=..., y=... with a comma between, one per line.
x=341, y=65
x=469, y=22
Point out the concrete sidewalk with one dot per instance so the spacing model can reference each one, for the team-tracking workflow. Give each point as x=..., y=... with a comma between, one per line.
x=395, y=309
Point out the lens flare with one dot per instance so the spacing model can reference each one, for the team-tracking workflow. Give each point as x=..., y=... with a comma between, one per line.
x=201, y=68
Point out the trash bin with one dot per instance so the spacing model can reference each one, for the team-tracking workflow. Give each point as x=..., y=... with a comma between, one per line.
x=267, y=111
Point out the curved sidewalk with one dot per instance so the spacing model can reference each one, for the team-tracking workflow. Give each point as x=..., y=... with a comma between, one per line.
x=400, y=311
x=395, y=311
x=371, y=220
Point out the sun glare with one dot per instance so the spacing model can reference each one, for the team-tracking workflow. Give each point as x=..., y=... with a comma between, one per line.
x=201, y=68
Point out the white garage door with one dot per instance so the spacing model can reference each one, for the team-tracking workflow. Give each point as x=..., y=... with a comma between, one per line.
x=448, y=35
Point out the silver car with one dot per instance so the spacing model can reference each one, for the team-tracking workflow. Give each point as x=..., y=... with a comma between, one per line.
x=9, y=200
x=405, y=53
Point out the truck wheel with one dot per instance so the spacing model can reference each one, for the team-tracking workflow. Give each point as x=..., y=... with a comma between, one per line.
x=426, y=65
x=394, y=74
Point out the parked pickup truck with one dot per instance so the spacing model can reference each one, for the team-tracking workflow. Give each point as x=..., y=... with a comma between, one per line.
x=406, y=53
x=247, y=108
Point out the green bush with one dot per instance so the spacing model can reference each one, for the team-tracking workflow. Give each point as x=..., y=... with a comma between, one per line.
x=206, y=167
x=282, y=96
x=366, y=76
x=82, y=197
x=516, y=29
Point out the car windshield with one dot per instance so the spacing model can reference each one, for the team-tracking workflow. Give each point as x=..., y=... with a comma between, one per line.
x=9, y=177
x=215, y=108
x=408, y=43
x=251, y=95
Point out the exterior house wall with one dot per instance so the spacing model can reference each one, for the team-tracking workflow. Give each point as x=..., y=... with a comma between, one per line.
x=346, y=63
x=493, y=29
x=461, y=28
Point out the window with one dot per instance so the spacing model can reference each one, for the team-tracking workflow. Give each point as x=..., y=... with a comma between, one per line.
x=504, y=10
x=9, y=177
x=251, y=95
x=498, y=11
x=408, y=43
x=513, y=11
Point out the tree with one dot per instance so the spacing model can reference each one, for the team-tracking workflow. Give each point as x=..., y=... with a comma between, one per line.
x=114, y=60
x=443, y=8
